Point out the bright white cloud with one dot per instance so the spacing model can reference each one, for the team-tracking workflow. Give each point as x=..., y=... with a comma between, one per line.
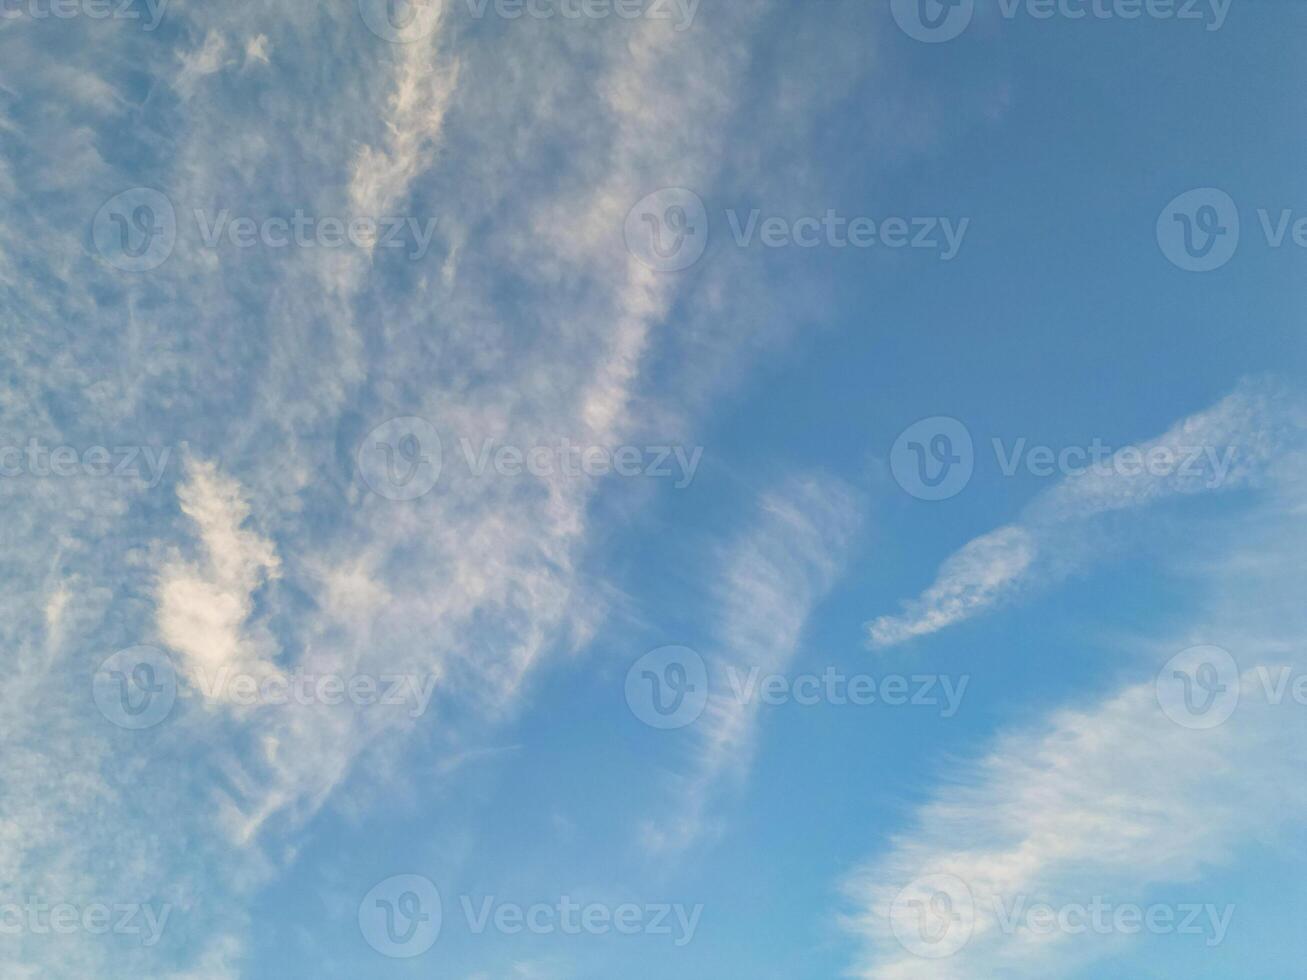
x=204, y=606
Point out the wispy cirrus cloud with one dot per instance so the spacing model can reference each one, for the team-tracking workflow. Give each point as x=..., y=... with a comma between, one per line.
x=1241, y=437
x=770, y=579
x=204, y=607
x=1116, y=798
x=531, y=324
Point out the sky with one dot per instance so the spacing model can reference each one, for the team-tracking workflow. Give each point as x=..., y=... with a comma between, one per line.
x=550, y=489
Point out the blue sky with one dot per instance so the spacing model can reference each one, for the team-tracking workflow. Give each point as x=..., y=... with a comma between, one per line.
x=563, y=490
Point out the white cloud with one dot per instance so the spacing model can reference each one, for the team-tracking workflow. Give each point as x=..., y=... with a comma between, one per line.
x=208, y=59
x=204, y=606
x=770, y=580
x=1244, y=434
x=1114, y=798
x=980, y=574
x=535, y=325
